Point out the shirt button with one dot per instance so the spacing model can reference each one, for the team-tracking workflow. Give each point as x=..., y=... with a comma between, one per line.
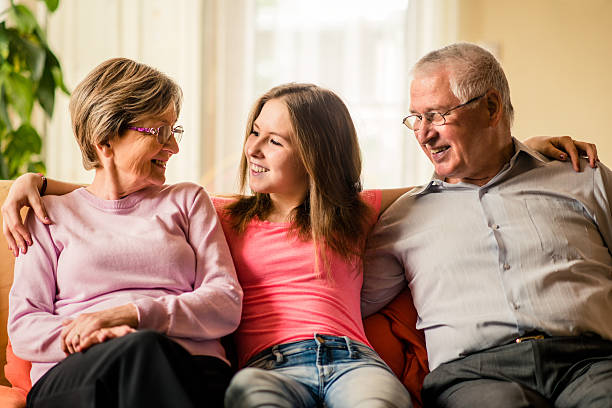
x=506, y=267
x=516, y=306
x=495, y=226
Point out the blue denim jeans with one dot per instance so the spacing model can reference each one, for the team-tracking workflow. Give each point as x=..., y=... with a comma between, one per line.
x=327, y=371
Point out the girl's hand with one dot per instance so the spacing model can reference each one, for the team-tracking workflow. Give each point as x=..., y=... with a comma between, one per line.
x=559, y=147
x=24, y=192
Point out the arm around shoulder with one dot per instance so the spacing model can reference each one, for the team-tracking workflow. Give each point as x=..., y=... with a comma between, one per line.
x=384, y=274
x=390, y=195
x=26, y=190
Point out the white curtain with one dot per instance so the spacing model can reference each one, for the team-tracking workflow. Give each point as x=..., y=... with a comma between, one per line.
x=362, y=50
x=165, y=34
x=225, y=53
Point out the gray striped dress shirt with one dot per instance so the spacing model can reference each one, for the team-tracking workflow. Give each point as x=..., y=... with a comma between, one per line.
x=530, y=250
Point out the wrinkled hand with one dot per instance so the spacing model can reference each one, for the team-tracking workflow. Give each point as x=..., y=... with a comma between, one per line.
x=102, y=335
x=78, y=330
x=23, y=193
x=560, y=147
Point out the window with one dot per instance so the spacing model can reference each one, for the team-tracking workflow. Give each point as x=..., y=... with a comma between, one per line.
x=355, y=48
x=360, y=49
x=225, y=54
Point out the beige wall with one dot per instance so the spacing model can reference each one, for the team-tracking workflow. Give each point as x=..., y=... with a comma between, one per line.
x=557, y=55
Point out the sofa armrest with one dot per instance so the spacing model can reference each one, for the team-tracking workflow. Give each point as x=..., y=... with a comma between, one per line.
x=7, y=263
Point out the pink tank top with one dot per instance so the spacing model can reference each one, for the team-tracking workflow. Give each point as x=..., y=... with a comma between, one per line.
x=284, y=299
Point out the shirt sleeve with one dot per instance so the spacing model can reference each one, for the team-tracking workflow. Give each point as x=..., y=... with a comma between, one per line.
x=603, y=196
x=214, y=307
x=32, y=326
x=384, y=276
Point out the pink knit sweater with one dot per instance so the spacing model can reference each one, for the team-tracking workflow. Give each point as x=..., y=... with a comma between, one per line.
x=161, y=248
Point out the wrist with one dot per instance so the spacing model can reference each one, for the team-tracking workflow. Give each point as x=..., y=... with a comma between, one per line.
x=126, y=314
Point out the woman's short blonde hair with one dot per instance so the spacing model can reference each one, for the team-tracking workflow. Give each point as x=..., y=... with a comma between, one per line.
x=116, y=94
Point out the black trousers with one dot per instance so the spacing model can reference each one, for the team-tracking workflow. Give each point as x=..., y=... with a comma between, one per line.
x=552, y=372
x=141, y=369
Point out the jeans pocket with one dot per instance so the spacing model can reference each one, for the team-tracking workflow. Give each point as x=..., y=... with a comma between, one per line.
x=266, y=362
x=366, y=353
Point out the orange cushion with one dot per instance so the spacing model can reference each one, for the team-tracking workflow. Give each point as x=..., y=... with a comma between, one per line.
x=393, y=334
x=12, y=397
x=17, y=372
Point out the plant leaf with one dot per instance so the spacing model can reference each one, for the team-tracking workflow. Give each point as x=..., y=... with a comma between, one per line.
x=34, y=55
x=4, y=43
x=24, y=142
x=24, y=19
x=46, y=91
x=52, y=5
x=37, y=167
x=56, y=70
x=27, y=138
x=19, y=92
x=4, y=117
x=4, y=174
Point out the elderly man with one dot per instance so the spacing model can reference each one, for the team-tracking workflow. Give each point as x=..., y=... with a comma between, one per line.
x=507, y=255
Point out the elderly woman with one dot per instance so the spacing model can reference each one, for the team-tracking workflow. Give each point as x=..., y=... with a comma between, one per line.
x=123, y=302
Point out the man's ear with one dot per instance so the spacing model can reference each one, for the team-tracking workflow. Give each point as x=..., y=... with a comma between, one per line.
x=494, y=107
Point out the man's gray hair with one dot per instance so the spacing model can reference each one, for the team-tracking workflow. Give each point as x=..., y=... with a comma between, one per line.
x=473, y=71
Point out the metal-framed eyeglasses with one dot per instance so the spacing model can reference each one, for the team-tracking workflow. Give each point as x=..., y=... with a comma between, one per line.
x=162, y=133
x=413, y=122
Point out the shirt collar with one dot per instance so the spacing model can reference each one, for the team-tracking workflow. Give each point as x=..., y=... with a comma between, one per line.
x=437, y=183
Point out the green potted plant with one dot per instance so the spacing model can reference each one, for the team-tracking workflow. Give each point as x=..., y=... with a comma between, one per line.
x=29, y=75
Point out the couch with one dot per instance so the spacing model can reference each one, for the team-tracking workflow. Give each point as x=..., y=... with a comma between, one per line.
x=391, y=331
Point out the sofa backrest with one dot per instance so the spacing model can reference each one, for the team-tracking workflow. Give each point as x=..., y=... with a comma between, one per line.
x=7, y=262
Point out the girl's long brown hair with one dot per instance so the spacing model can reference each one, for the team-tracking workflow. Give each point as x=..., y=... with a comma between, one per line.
x=332, y=214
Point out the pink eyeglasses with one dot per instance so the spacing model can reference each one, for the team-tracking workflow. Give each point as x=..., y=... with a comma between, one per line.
x=162, y=133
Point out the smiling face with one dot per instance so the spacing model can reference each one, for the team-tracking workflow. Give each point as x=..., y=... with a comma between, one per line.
x=463, y=149
x=273, y=162
x=139, y=160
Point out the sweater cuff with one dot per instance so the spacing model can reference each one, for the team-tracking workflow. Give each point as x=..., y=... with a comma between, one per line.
x=152, y=315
